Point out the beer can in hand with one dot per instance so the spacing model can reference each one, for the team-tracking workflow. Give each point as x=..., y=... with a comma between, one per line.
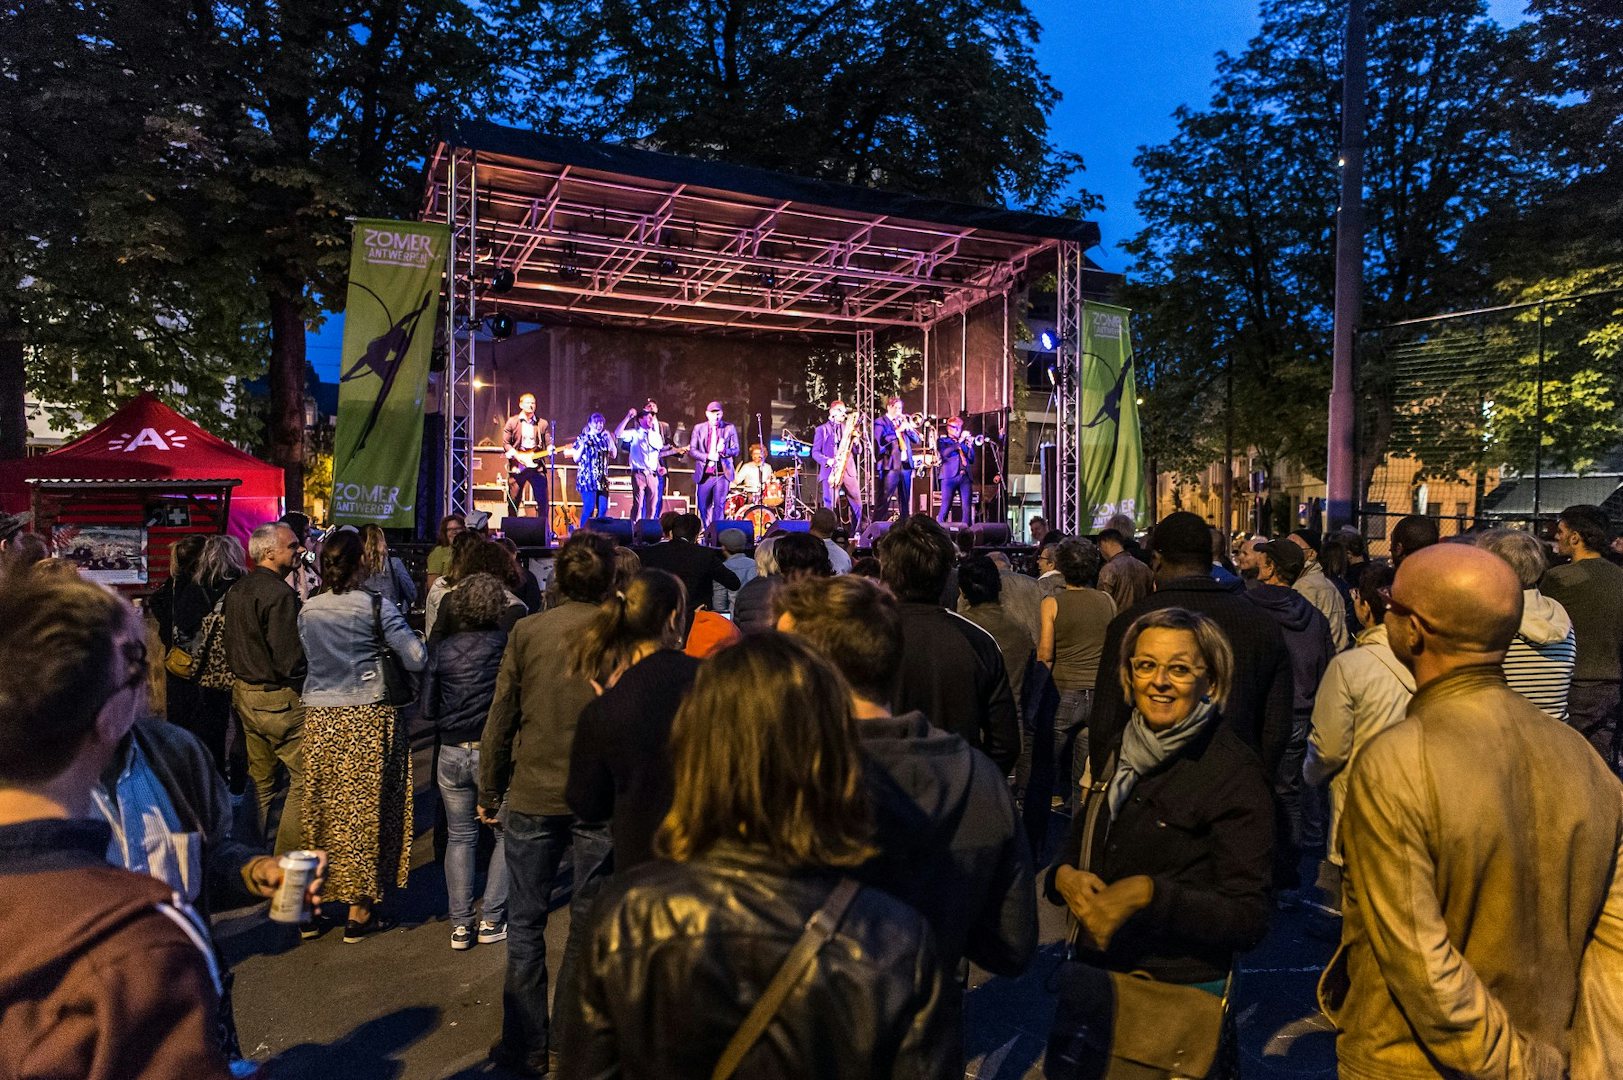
x=287, y=905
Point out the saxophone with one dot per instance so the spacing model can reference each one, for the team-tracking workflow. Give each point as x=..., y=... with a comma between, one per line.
x=842, y=456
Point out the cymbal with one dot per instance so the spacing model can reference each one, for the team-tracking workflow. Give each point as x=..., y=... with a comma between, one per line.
x=784, y=472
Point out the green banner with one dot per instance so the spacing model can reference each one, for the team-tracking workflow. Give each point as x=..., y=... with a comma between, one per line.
x=389, y=318
x=1112, y=451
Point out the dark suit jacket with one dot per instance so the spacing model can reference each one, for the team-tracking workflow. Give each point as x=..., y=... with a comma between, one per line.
x=887, y=441
x=511, y=428
x=825, y=444
x=1259, y=705
x=698, y=566
x=948, y=447
x=726, y=442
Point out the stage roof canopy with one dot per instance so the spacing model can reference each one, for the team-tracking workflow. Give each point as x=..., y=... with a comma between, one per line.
x=607, y=234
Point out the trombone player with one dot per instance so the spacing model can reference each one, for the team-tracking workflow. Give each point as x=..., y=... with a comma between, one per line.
x=895, y=436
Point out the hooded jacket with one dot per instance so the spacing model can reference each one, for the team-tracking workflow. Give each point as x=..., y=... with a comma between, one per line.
x=1542, y=654
x=1364, y=692
x=106, y=975
x=1308, y=639
x=951, y=844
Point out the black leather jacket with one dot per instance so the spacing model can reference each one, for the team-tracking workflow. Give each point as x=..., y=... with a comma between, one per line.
x=681, y=951
x=460, y=682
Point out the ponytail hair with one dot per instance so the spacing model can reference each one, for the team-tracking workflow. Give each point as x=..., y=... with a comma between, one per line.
x=640, y=613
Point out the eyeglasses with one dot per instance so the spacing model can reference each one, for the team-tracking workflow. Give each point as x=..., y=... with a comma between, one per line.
x=1183, y=674
x=1402, y=610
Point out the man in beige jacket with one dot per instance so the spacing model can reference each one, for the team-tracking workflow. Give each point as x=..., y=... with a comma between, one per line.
x=1481, y=840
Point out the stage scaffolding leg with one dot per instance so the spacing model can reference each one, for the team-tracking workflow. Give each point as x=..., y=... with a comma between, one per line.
x=461, y=278
x=867, y=404
x=1072, y=513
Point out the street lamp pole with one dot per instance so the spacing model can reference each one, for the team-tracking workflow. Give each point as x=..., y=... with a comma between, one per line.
x=1340, y=479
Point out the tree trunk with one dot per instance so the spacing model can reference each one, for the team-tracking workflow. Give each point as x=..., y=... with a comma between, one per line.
x=286, y=425
x=13, y=407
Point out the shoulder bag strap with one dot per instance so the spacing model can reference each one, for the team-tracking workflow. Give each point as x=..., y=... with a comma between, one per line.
x=1096, y=801
x=377, y=620
x=819, y=929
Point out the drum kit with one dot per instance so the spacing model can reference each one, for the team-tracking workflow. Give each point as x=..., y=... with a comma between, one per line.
x=777, y=499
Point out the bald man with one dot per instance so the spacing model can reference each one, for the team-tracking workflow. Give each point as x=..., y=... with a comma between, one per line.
x=1481, y=838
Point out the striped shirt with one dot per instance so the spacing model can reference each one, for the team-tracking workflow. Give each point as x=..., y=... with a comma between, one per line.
x=1542, y=673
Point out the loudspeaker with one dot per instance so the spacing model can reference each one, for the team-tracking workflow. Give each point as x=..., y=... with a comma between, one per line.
x=989, y=533
x=871, y=533
x=746, y=527
x=526, y=531
x=619, y=528
x=800, y=525
x=646, y=531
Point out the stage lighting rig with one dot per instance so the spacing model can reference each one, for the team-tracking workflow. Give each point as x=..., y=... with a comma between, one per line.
x=502, y=280
x=501, y=325
x=1049, y=340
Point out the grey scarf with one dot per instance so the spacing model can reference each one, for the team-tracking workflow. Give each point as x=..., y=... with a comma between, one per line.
x=1143, y=750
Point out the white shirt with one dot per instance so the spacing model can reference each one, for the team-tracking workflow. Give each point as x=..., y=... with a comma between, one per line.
x=644, y=445
x=753, y=477
x=838, y=556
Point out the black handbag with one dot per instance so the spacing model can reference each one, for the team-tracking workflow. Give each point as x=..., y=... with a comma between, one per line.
x=399, y=685
x=1115, y=1026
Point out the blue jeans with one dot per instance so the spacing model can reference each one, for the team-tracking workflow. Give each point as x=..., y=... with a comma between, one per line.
x=593, y=503
x=535, y=848
x=459, y=790
x=1071, y=739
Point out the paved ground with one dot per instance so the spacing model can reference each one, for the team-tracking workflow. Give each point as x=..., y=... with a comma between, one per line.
x=403, y=1006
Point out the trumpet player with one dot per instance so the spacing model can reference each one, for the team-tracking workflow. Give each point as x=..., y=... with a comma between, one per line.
x=895, y=436
x=957, y=454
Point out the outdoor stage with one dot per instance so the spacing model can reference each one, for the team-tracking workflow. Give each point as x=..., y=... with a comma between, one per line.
x=630, y=274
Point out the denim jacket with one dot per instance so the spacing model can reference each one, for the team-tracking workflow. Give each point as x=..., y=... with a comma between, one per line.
x=342, y=649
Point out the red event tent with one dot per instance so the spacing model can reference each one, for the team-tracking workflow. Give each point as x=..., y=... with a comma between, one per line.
x=146, y=439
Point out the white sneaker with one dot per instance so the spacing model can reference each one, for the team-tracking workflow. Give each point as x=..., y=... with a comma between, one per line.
x=490, y=933
x=461, y=938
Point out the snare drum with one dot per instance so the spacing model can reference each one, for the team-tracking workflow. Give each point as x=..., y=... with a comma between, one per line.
x=736, y=506
x=772, y=494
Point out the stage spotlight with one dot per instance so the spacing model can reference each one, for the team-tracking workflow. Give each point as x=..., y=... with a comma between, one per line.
x=501, y=326
x=665, y=265
x=769, y=279
x=569, y=266
x=835, y=294
x=1053, y=375
x=502, y=280
x=1049, y=340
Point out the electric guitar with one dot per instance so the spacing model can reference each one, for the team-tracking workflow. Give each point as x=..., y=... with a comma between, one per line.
x=519, y=460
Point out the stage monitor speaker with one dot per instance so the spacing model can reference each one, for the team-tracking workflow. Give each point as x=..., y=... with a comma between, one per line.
x=989, y=533
x=619, y=528
x=647, y=531
x=526, y=531
x=746, y=527
x=871, y=533
x=799, y=525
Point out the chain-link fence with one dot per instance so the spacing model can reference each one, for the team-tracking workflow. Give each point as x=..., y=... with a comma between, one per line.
x=1497, y=416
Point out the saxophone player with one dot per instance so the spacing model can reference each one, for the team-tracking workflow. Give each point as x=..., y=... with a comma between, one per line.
x=841, y=425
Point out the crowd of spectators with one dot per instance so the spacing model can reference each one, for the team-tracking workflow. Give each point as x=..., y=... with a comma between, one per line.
x=798, y=790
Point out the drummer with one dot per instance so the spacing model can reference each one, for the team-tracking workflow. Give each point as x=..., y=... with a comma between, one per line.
x=752, y=478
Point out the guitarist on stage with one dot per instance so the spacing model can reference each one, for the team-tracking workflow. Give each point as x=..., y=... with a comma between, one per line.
x=525, y=440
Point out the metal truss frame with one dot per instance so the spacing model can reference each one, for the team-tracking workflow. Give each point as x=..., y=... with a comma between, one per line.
x=461, y=327
x=867, y=404
x=1070, y=507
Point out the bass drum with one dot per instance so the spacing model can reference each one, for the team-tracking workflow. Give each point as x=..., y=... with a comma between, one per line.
x=736, y=505
x=772, y=494
x=762, y=517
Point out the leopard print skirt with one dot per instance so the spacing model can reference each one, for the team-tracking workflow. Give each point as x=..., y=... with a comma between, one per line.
x=357, y=798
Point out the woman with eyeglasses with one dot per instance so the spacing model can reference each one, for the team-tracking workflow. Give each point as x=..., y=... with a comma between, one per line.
x=1167, y=864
